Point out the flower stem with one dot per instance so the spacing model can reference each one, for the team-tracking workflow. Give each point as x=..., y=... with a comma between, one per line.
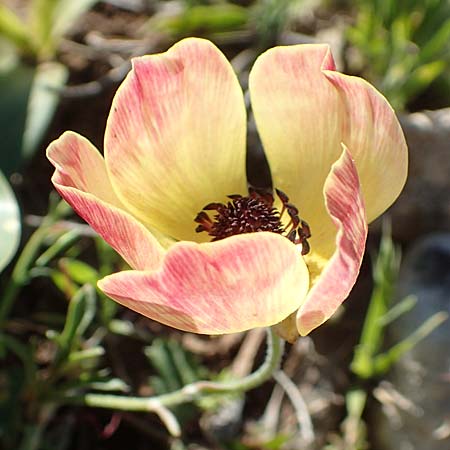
x=193, y=391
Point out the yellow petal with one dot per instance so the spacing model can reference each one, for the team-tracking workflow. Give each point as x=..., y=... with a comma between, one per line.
x=175, y=137
x=298, y=122
x=81, y=179
x=304, y=110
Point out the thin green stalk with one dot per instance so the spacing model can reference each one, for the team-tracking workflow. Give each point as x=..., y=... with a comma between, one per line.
x=193, y=391
x=385, y=272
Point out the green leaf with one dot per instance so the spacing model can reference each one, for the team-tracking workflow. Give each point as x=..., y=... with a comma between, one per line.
x=270, y=17
x=384, y=361
x=355, y=401
x=436, y=43
x=175, y=366
x=183, y=363
x=10, y=227
x=14, y=30
x=354, y=430
x=121, y=327
x=15, y=87
x=48, y=80
x=86, y=354
x=423, y=76
x=29, y=98
x=97, y=381
x=80, y=313
x=41, y=19
x=403, y=45
x=50, y=21
x=79, y=271
x=402, y=307
x=160, y=357
x=112, y=385
x=62, y=244
x=204, y=18
x=385, y=272
x=62, y=282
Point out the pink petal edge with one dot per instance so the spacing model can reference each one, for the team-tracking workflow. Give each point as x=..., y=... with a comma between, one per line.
x=239, y=283
x=79, y=167
x=373, y=132
x=298, y=115
x=175, y=136
x=345, y=205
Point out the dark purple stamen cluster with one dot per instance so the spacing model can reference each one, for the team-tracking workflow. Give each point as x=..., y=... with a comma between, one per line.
x=252, y=214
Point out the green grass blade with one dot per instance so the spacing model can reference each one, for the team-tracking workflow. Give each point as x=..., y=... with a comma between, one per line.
x=404, y=306
x=384, y=273
x=12, y=28
x=383, y=362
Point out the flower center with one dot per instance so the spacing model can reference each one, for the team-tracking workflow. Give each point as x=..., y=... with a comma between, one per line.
x=251, y=214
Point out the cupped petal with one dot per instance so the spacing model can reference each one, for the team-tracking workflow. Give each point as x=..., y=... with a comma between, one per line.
x=304, y=110
x=238, y=283
x=374, y=135
x=81, y=179
x=333, y=279
x=298, y=119
x=175, y=137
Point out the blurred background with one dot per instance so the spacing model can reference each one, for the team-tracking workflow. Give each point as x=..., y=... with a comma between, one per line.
x=376, y=376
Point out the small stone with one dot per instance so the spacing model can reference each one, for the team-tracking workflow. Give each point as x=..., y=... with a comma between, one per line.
x=223, y=424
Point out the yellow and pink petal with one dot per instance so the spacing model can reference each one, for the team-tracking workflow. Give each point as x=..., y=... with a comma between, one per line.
x=175, y=137
x=372, y=132
x=81, y=179
x=242, y=282
x=334, y=279
x=304, y=110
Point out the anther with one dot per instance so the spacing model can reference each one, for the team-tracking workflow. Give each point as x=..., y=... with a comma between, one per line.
x=305, y=247
x=252, y=214
x=202, y=217
x=213, y=206
x=282, y=196
x=291, y=235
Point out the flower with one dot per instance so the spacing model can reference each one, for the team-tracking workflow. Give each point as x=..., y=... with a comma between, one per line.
x=175, y=149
